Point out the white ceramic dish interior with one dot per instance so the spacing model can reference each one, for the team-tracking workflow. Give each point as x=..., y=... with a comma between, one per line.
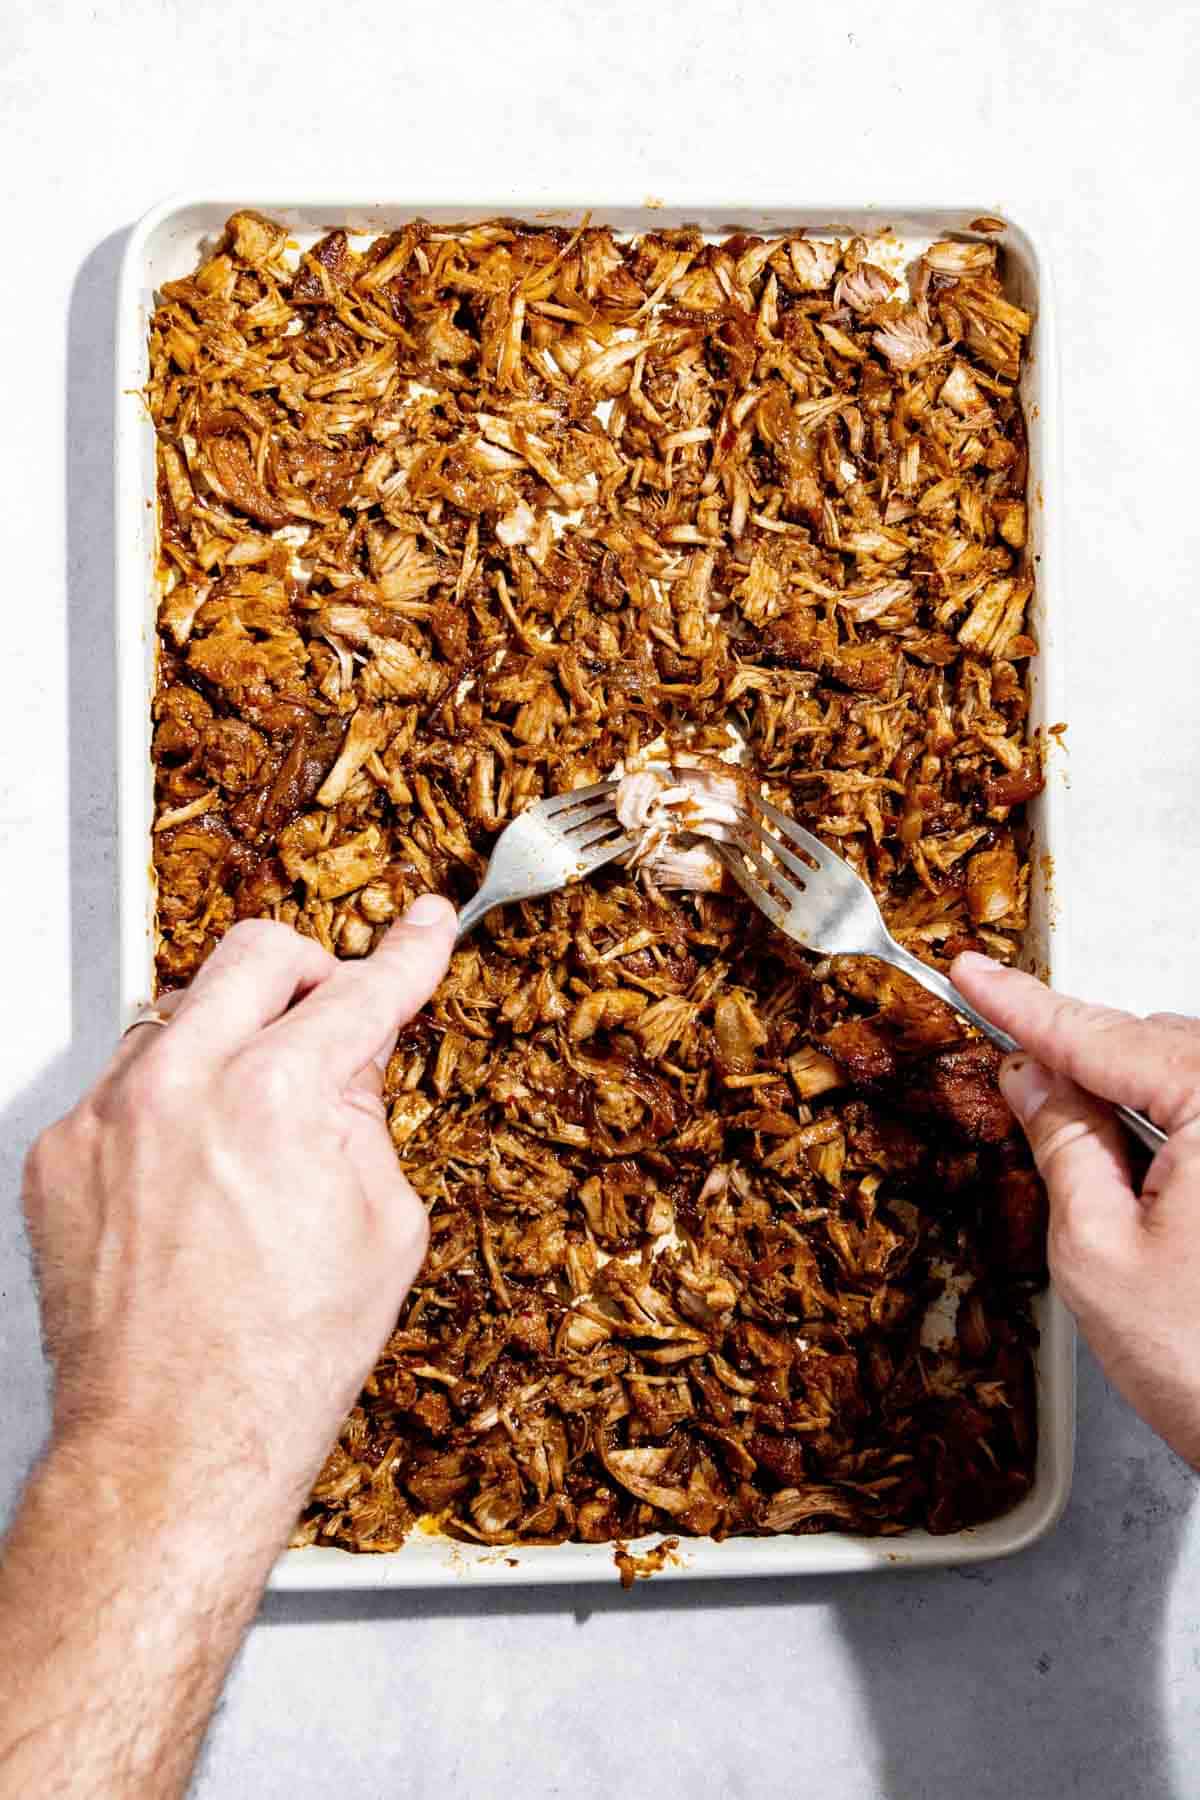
x=165, y=245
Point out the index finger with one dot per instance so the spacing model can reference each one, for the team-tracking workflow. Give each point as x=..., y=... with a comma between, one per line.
x=1139, y=1062
x=354, y=1016
x=255, y=973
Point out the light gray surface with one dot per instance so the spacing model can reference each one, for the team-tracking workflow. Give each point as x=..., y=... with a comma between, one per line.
x=1075, y=1670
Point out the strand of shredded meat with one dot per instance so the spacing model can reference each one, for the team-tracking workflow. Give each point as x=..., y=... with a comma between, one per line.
x=456, y=518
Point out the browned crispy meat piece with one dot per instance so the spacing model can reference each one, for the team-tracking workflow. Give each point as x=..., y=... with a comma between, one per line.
x=1016, y=1222
x=231, y=473
x=959, y=1086
x=863, y=1050
x=460, y=517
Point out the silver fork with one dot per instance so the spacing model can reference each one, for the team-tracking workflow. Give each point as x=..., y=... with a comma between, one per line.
x=826, y=907
x=553, y=842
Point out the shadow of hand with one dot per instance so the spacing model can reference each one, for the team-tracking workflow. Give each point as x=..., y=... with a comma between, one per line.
x=1041, y=1676
x=91, y=694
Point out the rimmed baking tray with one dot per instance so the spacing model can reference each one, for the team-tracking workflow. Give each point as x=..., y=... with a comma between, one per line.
x=166, y=245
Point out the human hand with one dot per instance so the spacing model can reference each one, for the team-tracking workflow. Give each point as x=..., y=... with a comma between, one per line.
x=222, y=1233
x=1127, y=1264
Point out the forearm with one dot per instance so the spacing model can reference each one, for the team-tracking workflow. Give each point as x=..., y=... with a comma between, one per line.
x=219, y=1222
x=123, y=1600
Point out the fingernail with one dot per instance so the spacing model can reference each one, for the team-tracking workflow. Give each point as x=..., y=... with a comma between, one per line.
x=976, y=963
x=383, y=1057
x=1026, y=1086
x=427, y=909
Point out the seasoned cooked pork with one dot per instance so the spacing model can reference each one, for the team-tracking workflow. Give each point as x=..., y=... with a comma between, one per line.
x=461, y=517
x=670, y=801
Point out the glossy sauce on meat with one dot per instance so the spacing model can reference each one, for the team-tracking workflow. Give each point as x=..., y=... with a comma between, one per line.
x=464, y=516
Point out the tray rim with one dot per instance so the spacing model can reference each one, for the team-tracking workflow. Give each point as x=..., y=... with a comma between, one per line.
x=428, y=1562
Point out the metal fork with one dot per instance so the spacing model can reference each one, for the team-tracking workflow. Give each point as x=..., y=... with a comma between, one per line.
x=553, y=842
x=826, y=907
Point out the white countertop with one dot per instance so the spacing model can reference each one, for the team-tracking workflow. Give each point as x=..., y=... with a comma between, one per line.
x=1072, y=1670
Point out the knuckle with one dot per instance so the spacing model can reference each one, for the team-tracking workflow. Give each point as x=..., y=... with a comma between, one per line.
x=1179, y=1054
x=155, y=1081
x=404, y=1220
x=1173, y=1021
x=419, y=1241
x=1054, y=1143
x=410, y=1229
x=363, y=1100
x=40, y=1156
x=251, y=932
x=268, y=1083
x=55, y=1163
x=143, y=1087
x=1177, y=1085
x=251, y=937
x=1071, y=1019
x=262, y=939
x=41, y=1163
x=1078, y=1238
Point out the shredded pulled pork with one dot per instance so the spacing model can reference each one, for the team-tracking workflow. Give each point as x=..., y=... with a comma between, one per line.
x=670, y=801
x=456, y=518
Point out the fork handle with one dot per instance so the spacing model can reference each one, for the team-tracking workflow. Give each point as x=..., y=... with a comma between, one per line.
x=473, y=911
x=900, y=958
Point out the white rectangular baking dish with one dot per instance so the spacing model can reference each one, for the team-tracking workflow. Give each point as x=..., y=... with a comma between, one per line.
x=165, y=245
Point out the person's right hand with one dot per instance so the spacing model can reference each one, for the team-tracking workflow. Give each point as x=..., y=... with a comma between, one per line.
x=223, y=1237
x=222, y=1232
x=1127, y=1264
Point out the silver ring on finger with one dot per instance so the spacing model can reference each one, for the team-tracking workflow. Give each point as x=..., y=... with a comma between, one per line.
x=147, y=1015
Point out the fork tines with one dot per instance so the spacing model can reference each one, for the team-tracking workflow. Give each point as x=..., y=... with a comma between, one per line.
x=601, y=791
x=772, y=872
x=585, y=819
x=812, y=847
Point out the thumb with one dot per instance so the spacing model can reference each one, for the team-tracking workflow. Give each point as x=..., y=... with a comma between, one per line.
x=355, y=1014
x=1139, y=1062
x=1077, y=1145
